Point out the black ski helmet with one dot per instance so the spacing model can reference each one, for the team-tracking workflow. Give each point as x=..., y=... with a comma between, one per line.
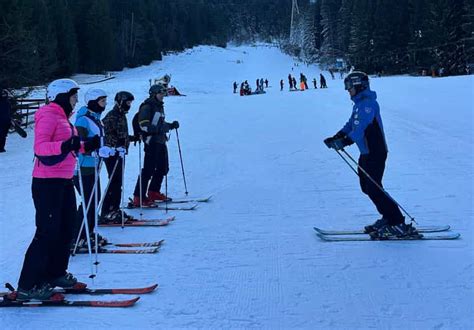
x=357, y=80
x=123, y=96
x=157, y=89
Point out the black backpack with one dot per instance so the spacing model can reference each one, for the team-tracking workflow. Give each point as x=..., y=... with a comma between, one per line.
x=137, y=130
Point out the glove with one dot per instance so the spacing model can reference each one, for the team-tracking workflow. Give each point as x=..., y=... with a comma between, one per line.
x=121, y=152
x=92, y=144
x=328, y=142
x=174, y=125
x=106, y=152
x=71, y=144
x=338, y=144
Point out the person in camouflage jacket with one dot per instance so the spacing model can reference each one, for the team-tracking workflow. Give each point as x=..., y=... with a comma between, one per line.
x=116, y=136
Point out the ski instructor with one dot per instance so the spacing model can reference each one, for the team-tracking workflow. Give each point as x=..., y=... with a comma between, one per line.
x=365, y=128
x=55, y=146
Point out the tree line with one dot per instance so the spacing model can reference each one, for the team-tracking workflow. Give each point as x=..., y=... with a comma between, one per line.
x=403, y=36
x=45, y=39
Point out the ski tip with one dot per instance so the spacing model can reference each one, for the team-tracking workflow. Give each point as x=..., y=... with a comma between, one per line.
x=115, y=303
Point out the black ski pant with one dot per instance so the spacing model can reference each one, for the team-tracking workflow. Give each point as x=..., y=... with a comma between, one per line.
x=155, y=167
x=3, y=134
x=113, y=195
x=88, y=186
x=375, y=167
x=47, y=256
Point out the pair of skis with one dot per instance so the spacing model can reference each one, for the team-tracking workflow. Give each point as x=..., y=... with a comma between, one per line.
x=427, y=233
x=158, y=205
x=57, y=300
x=140, y=223
x=151, y=247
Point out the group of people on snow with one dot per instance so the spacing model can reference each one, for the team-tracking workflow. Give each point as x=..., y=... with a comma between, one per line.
x=68, y=156
x=303, y=82
x=245, y=88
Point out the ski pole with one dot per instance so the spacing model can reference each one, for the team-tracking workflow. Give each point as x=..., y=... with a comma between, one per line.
x=108, y=185
x=166, y=193
x=123, y=181
x=81, y=187
x=374, y=182
x=96, y=202
x=140, y=176
x=182, y=166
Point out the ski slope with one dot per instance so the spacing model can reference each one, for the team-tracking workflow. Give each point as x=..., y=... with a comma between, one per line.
x=250, y=258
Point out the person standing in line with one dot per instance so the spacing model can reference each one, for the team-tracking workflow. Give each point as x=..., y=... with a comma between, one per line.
x=315, y=83
x=89, y=126
x=235, y=87
x=116, y=137
x=55, y=145
x=281, y=85
x=266, y=83
x=365, y=128
x=5, y=117
x=151, y=118
x=290, y=82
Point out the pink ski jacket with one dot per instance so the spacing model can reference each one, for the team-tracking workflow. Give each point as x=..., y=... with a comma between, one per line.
x=52, y=128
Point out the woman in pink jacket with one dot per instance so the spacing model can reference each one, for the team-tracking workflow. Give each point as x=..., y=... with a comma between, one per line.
x=56, y=144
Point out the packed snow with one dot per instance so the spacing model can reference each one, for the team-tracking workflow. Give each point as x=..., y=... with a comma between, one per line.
x=250, y=258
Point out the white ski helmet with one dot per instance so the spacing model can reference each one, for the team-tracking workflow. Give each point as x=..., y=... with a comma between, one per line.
x=60, y=86
x=93, y=94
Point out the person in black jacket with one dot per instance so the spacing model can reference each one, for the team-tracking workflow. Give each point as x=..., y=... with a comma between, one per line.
x=151, y=118
x=5, y=117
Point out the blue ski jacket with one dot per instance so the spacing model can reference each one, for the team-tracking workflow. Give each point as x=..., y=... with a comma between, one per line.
x=365, y=127
x=88, y=124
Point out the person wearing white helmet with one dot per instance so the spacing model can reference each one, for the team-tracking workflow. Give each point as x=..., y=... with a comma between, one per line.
x=89, y=126
x=55, y=145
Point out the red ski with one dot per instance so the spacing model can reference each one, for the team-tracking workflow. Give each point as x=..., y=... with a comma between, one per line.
x=98, y=291
x=69, y=303
x=145, y=244
x=140, y=223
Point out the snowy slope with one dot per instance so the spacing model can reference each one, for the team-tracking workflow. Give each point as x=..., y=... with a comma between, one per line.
x=250, y=259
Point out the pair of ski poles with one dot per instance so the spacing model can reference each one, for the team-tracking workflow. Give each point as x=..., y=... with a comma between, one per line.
x=363, y=171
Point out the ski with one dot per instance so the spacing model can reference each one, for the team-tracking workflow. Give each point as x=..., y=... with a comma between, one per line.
x=100, y=291
x=69, y=303
x=147, y=244
x=186, y=200
x=421, y=229
x=140, y=223
x=335, y=238
x=159, y=206
x=117, y=251
x=17, y=128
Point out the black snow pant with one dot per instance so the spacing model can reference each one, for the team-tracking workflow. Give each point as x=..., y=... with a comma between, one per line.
x=47, y=256
x=114, y=193
x=88, y=186
x=155, y=167
x=375, y=167
x=3, y=134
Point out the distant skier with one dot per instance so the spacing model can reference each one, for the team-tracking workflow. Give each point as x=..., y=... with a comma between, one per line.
x=331, y=72
x=281, y=84
x=290, y=81
x=366, y=130
x=261, y=84
x=294, y=83
x=315, y=83
x=266, y=83
x=235, y=87
x=257, y=82
x=322, y=81
x=5, y=117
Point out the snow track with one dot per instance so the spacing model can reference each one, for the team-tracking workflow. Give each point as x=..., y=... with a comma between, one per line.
x=249, y=258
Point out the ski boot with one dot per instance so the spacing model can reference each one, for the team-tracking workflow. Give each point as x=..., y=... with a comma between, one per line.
x=401, y=230
x=375, y=226
x=68, y=281
x=158, y=196
x=146, y=202
x=38, y=292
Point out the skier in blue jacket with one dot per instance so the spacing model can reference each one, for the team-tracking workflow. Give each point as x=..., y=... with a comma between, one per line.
x=365, y=129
